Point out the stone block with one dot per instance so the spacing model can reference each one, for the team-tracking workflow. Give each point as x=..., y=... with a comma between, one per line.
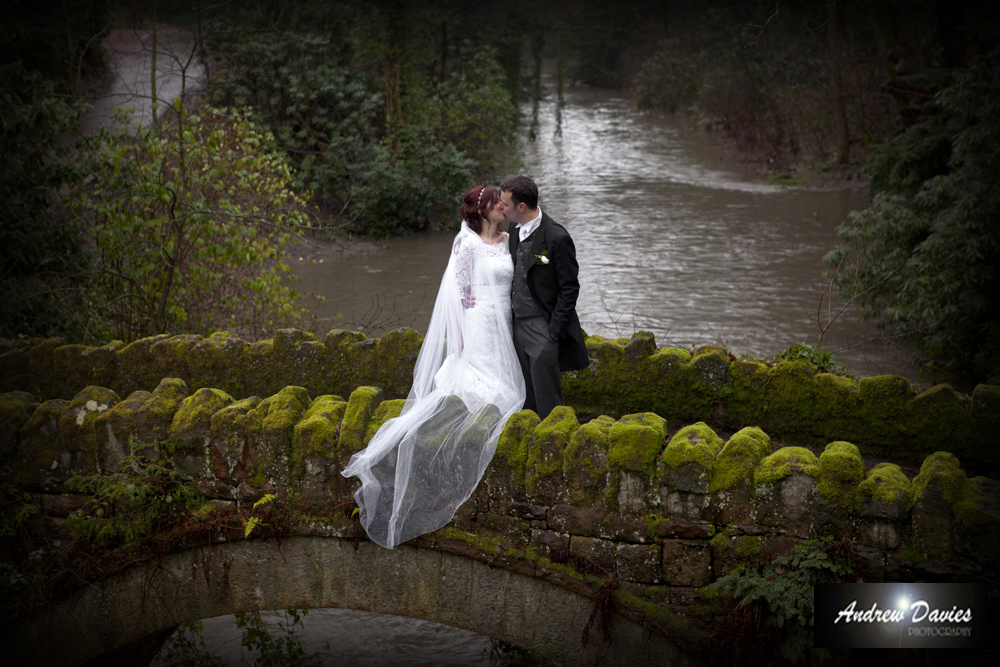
x=688, y=461
x=543, y=474
x=361, y=408
x=316, y=436
x=786, y=505
x=600, y=552
x=191, y=428
x=686, y=563
x=886, y=493
x=79, y=432
x=598, y=522
x=216, y=362
x=585, y=462
x=135, y=367
x=391, y=363
x=677, y=528
x=39, y=453
x=505, y=475
x=115, y=430
x=548, y=542
x=233, y=441
x=639, y=562
x=156, y=414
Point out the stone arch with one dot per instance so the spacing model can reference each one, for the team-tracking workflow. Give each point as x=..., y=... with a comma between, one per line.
x=316, y=572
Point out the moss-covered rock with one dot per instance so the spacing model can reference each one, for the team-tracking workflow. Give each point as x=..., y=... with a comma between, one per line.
x=739, y=457
x=170, y=357
x=942, y=476
x=39, y=453
x=885, y=408
x=233, y=440
x=543, y=477
x=385, y=411
x=41, y=377
x=710, y=367
x=783, y=463
x=115, y=430
x=635, y=441
x=507, y=473
x=135, y=368
x=79, y=432
x=689, y=459
x=216, y=362
x=154, y=417
x=361, y=407
x=79, y=366
x=393, y=359
x=841, y=470
x=885, y=492
x=191, y=428
x=937, y=416
x=16, y=408
x=318, y=432
x=642, y=344
x=258, y=370
x=585, y=461
x=284, y=410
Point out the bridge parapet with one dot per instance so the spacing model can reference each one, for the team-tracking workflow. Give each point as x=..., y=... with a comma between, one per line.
x=664, y=511
x=882, y=415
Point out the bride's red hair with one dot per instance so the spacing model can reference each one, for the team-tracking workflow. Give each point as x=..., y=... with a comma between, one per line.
x=476, y=203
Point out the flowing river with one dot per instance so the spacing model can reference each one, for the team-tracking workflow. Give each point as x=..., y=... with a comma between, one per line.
x=671, y=239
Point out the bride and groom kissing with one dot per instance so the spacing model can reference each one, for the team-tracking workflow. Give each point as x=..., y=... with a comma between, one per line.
x=504, y=326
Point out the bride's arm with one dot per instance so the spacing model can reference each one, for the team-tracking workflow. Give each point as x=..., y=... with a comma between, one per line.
x=464, y=267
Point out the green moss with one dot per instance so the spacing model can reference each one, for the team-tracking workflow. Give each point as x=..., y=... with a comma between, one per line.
x=739, y=457
x=78, y=428
x=286, y=409
x=710, y=368
x=40, y=441
x=16, y=408
x=913, y=554
x=318, y=432
x=516, y=440
x=681, y=355
x=585, y=461
x=257, y=478
x=745, y=548
x=969, y=504
x=154, y=417
x=886, y=484
x=225, y=421
x=657, y=612
x=886, y=408
x=384, y=412
x=343, y=337
x=635, y=442
x=783, y=463
x=360, y=409
x=549, y=441
x=841, y=470
x=193, y=420
x=693, y=444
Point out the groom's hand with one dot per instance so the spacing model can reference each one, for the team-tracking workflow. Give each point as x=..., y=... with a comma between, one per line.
x=468, y=301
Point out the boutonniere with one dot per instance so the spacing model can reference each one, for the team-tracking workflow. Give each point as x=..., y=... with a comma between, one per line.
x=542, y=257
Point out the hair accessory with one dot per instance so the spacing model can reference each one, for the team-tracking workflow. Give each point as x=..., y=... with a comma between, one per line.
x=480, y=197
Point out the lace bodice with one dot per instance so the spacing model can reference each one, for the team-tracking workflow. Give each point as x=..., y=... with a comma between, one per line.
x=498, y=263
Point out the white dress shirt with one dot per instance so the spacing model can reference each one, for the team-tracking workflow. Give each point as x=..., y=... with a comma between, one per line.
x=525, y=230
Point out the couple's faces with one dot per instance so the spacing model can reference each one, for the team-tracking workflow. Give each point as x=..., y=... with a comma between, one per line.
x=507, y=207
x=496, y=216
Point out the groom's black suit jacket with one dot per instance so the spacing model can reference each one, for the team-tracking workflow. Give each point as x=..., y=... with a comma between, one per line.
x=555, y=287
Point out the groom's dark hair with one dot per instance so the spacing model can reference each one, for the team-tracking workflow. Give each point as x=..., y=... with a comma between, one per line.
x=521, y=189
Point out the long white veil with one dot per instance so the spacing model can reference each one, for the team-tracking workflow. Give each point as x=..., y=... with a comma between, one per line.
x=421, y=466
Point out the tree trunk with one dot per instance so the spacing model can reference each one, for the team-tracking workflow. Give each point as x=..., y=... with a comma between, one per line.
x=152, y=78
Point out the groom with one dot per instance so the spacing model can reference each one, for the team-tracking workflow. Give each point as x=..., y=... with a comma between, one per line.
x=547, y=334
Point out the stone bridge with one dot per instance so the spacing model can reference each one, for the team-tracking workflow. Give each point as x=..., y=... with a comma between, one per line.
x=574, y=509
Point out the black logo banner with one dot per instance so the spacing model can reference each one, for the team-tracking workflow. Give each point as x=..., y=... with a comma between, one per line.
x=900, y=615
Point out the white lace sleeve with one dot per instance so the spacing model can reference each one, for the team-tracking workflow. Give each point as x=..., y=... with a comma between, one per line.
x=464, y=266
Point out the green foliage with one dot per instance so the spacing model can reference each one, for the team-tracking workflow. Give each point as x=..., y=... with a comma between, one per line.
x=922, y=258
x=144, y=498
x=386, y=126
x=667, y=79
x=186, y=648
x=504, y=654
x=782, y=589
x=823, y=361
x=40, y=241
x=281, y=649
x=190, y=227
x=254, y=521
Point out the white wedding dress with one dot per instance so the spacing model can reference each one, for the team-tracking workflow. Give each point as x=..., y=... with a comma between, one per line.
x=421, y=466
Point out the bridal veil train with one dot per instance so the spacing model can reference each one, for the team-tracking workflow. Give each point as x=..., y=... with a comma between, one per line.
x=421, y=466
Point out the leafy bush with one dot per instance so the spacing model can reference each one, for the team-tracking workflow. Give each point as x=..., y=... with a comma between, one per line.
x=923, y=256
x=777, y=593
x=190, y=228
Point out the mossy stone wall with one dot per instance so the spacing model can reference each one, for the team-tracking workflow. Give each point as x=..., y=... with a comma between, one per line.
x=881, y=415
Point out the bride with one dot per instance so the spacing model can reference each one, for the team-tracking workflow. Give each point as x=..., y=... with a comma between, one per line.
x=421, y=466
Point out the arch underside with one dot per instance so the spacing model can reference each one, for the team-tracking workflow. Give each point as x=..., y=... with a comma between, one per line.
x=316, y=572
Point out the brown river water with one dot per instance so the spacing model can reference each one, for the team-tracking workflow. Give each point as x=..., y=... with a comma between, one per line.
x=671, y=238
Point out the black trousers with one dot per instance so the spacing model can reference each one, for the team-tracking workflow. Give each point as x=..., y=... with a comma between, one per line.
x=538, y=353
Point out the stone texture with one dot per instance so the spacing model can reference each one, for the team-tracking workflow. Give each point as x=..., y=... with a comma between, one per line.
x=686, y=563
x=786, y=505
